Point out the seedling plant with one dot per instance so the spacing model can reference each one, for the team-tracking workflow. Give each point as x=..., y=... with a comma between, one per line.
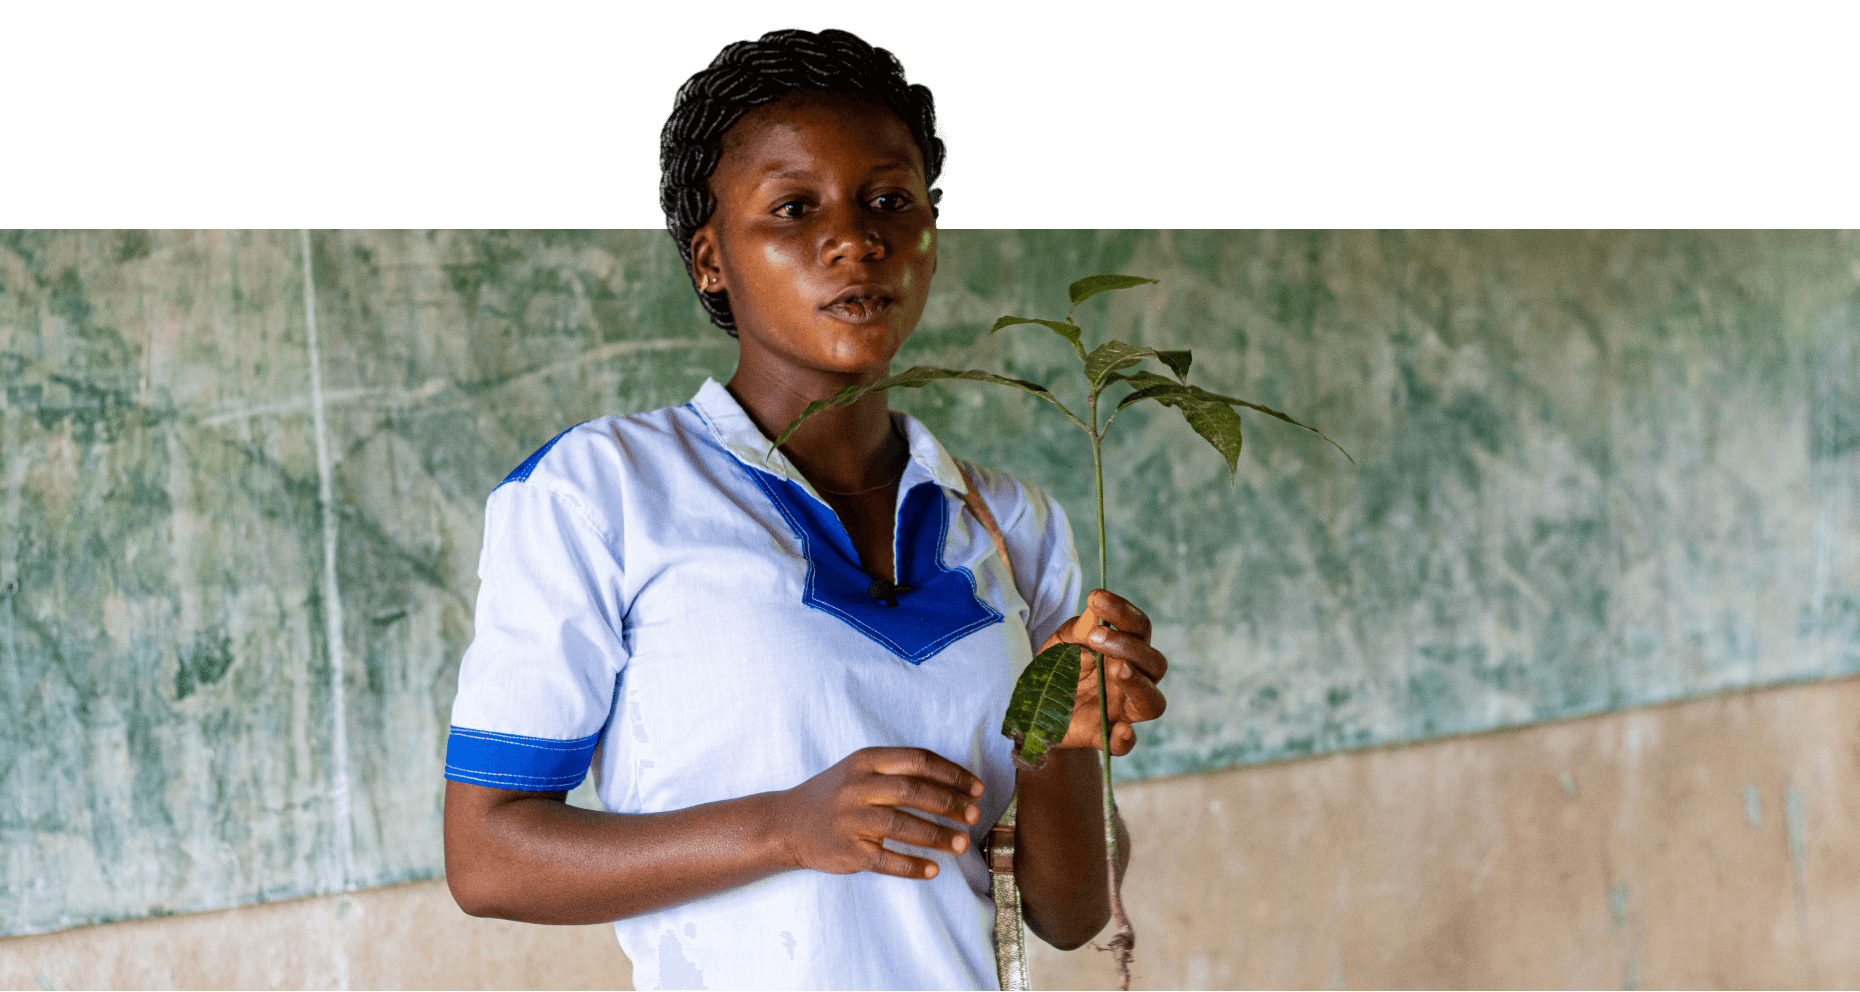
x=1041, y=707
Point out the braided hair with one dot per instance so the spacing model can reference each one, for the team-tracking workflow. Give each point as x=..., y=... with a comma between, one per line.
x=747, y=74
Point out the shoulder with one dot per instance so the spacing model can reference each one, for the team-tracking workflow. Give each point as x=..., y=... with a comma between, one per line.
x=1038, y=540
x=1017, y=506
x=596, y=456
x=595, y=468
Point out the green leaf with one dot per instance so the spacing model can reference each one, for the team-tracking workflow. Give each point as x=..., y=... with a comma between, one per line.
x=1208, y=414
x=1104, y=363
x=1219, y=425
x=1091, y=286
x=1109, y=357
x=1150, y=386
x=1177, y=394
x=1270, y=412
x=1070, y=332
x=1178, y=362
x=1041, y=708
x=913, y=378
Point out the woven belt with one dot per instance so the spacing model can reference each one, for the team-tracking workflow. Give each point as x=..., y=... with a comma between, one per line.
x=998, y=848
x=1010, y=933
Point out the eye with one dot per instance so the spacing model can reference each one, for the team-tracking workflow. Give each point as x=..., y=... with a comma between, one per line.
x=903, y=201
x=780, y=210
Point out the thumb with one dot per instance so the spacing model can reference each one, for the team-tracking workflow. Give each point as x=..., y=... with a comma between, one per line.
x=1075, y=630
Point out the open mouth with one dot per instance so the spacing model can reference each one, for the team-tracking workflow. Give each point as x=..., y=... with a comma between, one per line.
x=860, y=309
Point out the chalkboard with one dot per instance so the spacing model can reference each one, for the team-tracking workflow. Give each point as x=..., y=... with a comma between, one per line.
x=1596, y=470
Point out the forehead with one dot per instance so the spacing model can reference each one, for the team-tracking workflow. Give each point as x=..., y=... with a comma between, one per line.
x=807, y=122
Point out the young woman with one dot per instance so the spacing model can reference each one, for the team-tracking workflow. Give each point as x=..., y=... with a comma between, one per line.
x=787, y=668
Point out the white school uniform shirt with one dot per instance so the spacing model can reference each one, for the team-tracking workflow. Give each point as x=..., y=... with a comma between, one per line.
x=668, y=600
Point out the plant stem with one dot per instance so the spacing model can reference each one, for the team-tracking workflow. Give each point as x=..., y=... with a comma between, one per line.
x=1123, y=944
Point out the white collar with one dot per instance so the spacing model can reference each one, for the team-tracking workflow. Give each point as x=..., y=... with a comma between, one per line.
x=738, y=435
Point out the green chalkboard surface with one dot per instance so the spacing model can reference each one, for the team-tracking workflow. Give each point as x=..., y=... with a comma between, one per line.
x=1598, y=470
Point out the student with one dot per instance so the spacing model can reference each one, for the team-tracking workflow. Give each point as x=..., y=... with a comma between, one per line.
x=788, y=669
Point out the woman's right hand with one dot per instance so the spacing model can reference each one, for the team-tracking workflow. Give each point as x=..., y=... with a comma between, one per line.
x=838, y=821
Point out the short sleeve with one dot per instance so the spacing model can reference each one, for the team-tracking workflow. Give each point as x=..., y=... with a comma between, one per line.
x=1050, y=579
x=537, y=683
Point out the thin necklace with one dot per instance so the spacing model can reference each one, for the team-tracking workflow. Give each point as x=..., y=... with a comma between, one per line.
x=862, y=492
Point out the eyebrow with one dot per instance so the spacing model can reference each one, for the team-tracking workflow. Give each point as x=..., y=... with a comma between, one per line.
x=891, y=166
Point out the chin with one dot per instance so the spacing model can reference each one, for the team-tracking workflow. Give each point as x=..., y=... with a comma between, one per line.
x=856, y=349
x=859, y=362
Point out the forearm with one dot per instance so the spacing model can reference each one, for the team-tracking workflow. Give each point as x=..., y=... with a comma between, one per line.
x=1059, y=848
x=538, y=860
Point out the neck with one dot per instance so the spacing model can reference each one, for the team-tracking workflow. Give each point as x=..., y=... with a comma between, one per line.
x=845, y=449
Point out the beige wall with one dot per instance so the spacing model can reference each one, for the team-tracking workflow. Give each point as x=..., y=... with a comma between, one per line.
x=1652, y=849
x=398, y=937
x=1708, y=844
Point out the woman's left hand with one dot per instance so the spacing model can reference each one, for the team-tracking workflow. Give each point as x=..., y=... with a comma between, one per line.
x=1132, y=669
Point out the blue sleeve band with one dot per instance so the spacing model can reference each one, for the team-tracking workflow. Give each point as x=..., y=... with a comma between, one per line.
x=511, y=761
x=522, y=472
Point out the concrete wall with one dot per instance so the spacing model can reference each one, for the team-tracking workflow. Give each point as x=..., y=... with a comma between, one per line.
x=1705, y=844
x=242, y=477
x=1597, y=470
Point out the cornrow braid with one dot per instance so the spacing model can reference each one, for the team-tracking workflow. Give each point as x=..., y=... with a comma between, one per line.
x=747, y=74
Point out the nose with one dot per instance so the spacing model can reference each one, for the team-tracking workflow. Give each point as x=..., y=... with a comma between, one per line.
x=851, y=235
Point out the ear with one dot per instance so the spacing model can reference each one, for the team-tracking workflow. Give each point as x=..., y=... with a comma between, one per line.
x=704, y=259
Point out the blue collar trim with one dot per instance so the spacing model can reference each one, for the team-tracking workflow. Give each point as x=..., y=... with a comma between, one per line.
x=941, y=606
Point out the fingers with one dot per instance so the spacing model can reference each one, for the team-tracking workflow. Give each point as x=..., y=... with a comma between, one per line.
x=1141, y=699
x=1134, y=699
x=882, y=824
x=1086, y=732
x=1122, y=739
x=890, y=823
x=1121, y=612
x=1127, y=637
x=888, y=862
x=841, y=819
x=914, y=778
x=1131, y=650
x=920, y=763
x=930, y=797
x=1134, y=696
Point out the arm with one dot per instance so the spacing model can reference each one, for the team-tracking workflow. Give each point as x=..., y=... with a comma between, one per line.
x=529, y=856
x=1059, y=849
x=1059, y=858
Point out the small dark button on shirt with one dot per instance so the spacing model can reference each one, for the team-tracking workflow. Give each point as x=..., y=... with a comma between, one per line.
x=882, y=589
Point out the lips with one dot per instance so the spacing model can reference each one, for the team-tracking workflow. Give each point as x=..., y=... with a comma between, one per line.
x=861, y=303
x=859, y=311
